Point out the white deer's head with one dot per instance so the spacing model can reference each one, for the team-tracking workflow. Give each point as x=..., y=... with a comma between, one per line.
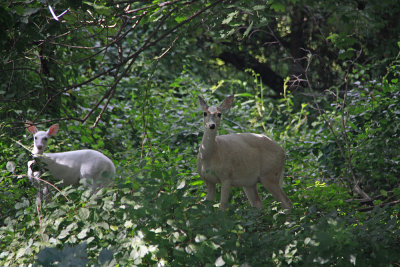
x=41, y=137
x=212, y=114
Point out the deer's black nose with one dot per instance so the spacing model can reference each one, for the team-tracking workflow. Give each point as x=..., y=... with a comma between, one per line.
x=212, y=126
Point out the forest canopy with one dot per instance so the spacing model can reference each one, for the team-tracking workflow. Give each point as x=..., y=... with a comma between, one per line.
x=123, y=77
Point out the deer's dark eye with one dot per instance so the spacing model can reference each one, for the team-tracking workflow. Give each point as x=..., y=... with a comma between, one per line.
x=45, y=139
x=219, y=115
x=205, y=114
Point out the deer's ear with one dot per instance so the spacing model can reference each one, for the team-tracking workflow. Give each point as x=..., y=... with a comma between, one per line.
x=53, y=130
x=31, y=128
x=203, y=104
x=226, y=104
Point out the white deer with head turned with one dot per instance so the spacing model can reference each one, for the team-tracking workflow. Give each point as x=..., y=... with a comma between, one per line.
x=70, y=166
x=240, y=159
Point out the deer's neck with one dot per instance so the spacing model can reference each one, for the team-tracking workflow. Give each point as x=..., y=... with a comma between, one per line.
x=36, y=151
x=208, y=144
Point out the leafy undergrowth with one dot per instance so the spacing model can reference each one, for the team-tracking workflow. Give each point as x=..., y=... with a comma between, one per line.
x=160, y=219
x=155, y=213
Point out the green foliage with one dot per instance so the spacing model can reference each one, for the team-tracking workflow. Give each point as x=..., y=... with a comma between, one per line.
x=373, y=130
x=150, y=125
x=365, y=125
x=154, y=214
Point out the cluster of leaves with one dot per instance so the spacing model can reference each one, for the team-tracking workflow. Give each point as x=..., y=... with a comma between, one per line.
x=363, y=123
x=154, y=214
x=163, y=222
x=373, y=128
x=151, y=127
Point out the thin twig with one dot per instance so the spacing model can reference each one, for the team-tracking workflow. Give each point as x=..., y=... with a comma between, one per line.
x=55, y=187
x=152, y=6
x=380, y=205
x=128, y=61
x=322, y=113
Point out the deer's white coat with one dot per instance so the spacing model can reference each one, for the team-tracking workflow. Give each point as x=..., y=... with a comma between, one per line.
x=70, y=166
x=241, y=159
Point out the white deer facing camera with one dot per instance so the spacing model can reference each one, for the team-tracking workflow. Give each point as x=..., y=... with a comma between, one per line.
x=70, y=166
x=240, y=159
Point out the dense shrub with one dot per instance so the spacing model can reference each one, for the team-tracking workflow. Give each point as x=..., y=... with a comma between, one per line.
x=155, y=214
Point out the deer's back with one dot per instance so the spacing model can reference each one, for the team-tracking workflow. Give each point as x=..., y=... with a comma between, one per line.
x=249, y=144
x=73, y=165
x=242, y=158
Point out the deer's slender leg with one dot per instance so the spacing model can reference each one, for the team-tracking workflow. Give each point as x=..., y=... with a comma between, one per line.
x=225, y=190
x=210, y=191
x=277, y=193
x=252, y=195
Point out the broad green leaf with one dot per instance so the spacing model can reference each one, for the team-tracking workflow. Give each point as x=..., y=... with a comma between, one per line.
x=84, y=214
x=259, y=7
x=230, y=17
x=30, y=11
x=248, y=29
x=11, y=166
x=196, y=183
x=180, y=19
x=219, y=261
x=128, y=224
x=278, y=7
x=181, y=185
x=384, y=193
x=83, y=233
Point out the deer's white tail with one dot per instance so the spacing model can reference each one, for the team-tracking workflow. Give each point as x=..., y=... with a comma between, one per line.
x=242, y=159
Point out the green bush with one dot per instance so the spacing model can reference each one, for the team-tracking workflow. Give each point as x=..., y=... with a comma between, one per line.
x=155, y=212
